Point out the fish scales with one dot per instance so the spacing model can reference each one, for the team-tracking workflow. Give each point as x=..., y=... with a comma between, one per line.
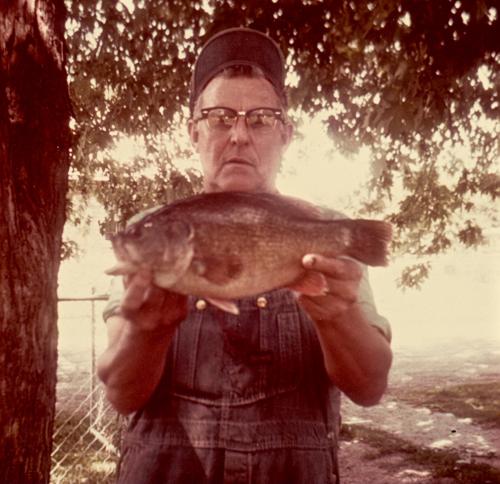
x=243, y=260
x=232, y=245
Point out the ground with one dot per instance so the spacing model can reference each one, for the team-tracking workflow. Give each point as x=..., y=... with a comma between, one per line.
x=438, y=423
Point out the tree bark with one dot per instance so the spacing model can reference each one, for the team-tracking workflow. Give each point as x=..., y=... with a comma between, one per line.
x=34, y=159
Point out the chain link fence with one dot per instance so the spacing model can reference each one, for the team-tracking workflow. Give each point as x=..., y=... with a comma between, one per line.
x=87, y=430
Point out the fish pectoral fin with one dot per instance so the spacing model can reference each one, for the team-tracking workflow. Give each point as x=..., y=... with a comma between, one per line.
x=176, y=261
x=312, y=283
x=217, y=270
x=122, y=268
x=225, y=305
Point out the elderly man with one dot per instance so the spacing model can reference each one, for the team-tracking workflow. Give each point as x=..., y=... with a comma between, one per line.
x=253, y=398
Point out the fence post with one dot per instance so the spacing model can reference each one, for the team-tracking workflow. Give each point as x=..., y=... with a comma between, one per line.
x=92, y=359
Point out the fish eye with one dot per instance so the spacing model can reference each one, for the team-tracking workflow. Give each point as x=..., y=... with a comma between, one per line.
x=133, y=231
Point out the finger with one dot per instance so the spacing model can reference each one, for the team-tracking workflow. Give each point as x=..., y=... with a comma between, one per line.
x=312, y=283
x=337, y=291
x=340, y=296
x=175, y=306
x=137, y=290
x=323, y=308
x=339, y=268
x=345, y=290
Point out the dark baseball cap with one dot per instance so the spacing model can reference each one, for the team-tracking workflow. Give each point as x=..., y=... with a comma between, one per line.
x=237, y=46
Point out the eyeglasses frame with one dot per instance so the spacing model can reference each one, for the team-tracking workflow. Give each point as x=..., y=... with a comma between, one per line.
x=277, y=112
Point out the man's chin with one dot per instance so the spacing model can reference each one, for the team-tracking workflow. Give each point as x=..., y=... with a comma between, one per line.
x=239, y=184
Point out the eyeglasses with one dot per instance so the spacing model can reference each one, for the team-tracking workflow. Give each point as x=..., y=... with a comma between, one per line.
x=224, y=118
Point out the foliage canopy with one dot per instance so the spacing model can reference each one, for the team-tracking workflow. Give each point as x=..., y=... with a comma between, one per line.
x=411, y=79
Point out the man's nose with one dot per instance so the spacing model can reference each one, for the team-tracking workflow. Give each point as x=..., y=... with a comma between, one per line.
x=239, y=131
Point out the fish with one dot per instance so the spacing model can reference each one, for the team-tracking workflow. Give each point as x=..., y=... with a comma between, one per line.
x=225, y=246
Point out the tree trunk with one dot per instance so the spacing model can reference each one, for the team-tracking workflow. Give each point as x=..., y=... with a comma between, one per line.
x=34, y=159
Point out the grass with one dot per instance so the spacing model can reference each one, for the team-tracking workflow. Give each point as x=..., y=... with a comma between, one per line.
x=478, y=401
x=82, y=458
x=442, y=464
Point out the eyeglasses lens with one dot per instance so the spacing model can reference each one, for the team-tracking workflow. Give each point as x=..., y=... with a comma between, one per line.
x=256, y=118
x=221, y=118
x=261, y=118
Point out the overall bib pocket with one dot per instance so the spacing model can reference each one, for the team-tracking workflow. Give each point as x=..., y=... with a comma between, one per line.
x=218, y=358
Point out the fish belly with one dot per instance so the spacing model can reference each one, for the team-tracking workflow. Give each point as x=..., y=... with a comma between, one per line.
x=254, y=280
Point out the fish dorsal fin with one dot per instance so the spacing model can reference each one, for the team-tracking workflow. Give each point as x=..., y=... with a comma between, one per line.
x=309, y=210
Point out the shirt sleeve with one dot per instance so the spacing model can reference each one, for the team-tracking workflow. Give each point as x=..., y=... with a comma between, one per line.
x=365, y=295
x=116, y=291
x=367, y=304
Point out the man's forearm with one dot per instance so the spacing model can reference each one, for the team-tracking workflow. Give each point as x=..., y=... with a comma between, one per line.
x=357, y=356
x=133, y=364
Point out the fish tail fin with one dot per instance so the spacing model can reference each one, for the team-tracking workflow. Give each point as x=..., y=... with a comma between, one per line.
x=370, y=241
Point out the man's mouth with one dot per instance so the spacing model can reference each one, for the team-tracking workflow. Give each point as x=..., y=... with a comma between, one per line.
x=237, y=161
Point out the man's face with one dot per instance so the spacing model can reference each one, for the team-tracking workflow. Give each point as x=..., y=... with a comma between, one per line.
x=239, y=158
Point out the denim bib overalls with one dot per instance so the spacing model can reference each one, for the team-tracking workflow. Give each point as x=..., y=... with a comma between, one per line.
x=243, y=400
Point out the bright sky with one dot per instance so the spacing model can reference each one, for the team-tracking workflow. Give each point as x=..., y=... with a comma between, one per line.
x=314, y=171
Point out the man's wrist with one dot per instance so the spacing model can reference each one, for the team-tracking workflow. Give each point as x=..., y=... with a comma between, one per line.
x=136, y=329
x=341, y=318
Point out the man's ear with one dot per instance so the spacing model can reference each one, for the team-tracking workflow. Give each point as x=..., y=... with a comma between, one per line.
x=193, y=132
x=287, y=135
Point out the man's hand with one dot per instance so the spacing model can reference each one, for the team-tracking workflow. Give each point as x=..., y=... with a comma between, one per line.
x=342, y=279
x=139, y=335
x=148, y=307
x=357, y=356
